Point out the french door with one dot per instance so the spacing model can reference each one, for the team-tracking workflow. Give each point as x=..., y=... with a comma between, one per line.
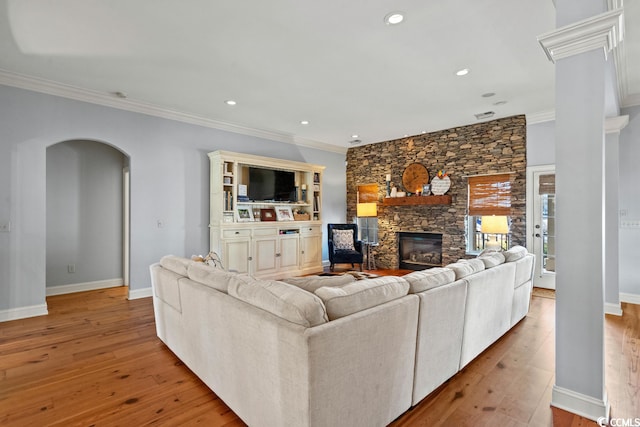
x=542, y=224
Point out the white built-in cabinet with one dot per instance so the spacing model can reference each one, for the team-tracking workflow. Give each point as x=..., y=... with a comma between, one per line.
x=265, y=249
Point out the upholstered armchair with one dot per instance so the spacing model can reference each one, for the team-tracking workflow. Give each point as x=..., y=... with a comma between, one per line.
x=344, y=246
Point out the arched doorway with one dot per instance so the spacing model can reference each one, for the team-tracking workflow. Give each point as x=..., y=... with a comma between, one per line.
x=87, y=217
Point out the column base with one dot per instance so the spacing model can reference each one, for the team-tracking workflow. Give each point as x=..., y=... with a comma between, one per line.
x=580, y=404
x=612, y=308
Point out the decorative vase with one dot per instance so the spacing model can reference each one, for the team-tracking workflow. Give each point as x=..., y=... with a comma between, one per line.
x=439, y=186
x=394, y=192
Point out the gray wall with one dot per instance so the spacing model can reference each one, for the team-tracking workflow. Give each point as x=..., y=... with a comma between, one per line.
x=541, y=146
x=541, y=151
x=84, y=212
x=630, y=202
x=169, y=182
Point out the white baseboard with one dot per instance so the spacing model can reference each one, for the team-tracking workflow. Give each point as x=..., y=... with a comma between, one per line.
x=23, y=312
x=81, y=287
x=611, y=308
x=580, y=404
x=140, y=293
x=630, y=298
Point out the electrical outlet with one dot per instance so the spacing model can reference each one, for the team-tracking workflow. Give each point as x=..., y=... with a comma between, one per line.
x=71, y=268
x=5, y=226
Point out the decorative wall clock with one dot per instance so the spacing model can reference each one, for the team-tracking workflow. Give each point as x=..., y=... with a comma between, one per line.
x=414, y=177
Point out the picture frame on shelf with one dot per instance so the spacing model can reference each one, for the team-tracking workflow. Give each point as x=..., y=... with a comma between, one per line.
x=268, y=214
x=284, y=213
x=244, y=214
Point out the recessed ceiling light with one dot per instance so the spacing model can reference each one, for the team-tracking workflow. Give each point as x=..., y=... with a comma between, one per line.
x=119, y=94
x=488, y=94
x=424, y=131
x=304, y=122
x=355, y=135
x=500, y=103
x=230, y=102
x=394, y=18
x=462, y=72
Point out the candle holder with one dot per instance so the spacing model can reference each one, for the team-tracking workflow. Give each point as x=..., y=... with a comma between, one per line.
x=388, y=188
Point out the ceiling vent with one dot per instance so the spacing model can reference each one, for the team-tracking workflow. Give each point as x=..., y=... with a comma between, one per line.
x=485, y=115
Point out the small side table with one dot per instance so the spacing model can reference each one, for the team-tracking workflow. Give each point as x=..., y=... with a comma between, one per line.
x=368, y=251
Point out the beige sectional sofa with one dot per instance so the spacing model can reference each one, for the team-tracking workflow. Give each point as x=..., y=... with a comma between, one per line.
x=335, y=351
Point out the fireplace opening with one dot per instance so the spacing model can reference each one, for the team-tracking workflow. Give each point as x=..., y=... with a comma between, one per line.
x=417, y=251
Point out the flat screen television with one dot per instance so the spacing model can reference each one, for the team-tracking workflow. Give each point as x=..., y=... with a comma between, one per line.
x=270, y=184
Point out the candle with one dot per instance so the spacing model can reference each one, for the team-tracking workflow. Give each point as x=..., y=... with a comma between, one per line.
x=304, y=186
x=388, y=177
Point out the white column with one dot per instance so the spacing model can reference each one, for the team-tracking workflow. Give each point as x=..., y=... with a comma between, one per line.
x=580, y=52
x=613, y=126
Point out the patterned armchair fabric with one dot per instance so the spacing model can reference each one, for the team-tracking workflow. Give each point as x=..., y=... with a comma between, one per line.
x=344, y=248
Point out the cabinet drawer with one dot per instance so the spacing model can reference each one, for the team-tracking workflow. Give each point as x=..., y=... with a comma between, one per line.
x=265, y=231
x=229, y=234
x=311, y=229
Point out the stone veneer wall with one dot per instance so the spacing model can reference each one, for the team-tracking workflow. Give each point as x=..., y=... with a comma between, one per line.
x=498, y=146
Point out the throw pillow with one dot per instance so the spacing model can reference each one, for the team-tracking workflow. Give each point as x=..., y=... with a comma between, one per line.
x=176, y=264
x=515, y=253
x=343, y=240
x=311, y=283
x=424, y=280
x=492, y=259
x=280, y=299
x=213, y=277
x=344, y=300
x=463, y=268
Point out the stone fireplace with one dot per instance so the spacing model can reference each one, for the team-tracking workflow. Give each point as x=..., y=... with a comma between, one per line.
x=417, y=251
x=496, y=146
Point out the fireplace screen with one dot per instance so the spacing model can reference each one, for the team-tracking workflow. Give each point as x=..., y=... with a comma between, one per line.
x=418, y=251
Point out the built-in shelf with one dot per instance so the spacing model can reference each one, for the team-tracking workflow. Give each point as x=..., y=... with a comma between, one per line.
x=417, y=200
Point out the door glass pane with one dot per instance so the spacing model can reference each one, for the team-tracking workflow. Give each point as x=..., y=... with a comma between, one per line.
x=548, y=232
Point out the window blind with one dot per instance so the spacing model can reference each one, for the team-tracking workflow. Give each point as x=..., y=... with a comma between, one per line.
x=547, y=184
x=490, y=195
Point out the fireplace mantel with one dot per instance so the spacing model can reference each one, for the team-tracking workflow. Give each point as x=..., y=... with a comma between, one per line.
x=417, y=200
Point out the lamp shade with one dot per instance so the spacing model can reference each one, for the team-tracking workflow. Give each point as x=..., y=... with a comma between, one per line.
x=494, y=224
x=366, y=209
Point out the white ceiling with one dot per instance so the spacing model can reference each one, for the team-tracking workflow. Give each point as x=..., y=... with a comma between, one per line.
x=334, y=63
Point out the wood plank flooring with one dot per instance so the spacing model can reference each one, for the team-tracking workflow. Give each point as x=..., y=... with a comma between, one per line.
x=95, y=361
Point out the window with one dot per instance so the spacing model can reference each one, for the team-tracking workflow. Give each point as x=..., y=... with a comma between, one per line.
x=488, y=195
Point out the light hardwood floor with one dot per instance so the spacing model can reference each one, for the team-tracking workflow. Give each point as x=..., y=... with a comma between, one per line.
x=95, y=361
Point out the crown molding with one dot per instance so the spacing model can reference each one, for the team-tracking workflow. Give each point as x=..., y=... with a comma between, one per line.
x=49, y=87
x=615, y=124
x=541, y=117
x=603, y=31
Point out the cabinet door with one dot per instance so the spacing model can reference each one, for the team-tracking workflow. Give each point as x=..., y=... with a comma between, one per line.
x=236, y=255
x=289, y=250
x=265, y=250
x=312, y=251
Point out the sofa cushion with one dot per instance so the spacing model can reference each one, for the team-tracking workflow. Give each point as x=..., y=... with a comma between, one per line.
x=176, y=264
x=344, y=300
x=281, y=299
x=492, y=259
x=210, y=276
x=166, y=286
x=343, y=239
x=311, y=283
x=515, y=253
x=465, y=267
x=423, y=280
